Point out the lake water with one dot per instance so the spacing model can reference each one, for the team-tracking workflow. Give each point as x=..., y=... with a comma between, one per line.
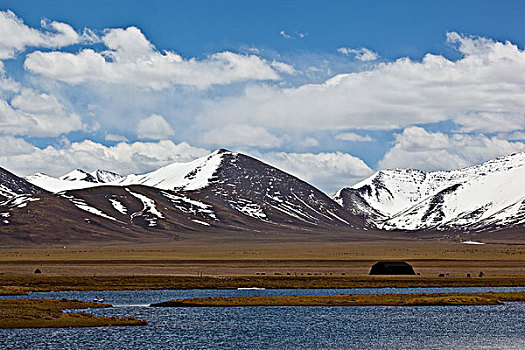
x=366, y=327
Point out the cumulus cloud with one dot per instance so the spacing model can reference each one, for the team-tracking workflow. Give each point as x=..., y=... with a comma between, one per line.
x=488, y=82
x=418, y=148
x=352, y=136
x=328, y=171
x=154, y=127
x=124, y=158
x=15, y=36
x=362, y=54
x=241, y=136
x=131, y=59
x=37, y=114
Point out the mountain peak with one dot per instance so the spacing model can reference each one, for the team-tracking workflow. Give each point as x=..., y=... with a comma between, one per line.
x=78, y=175
x=105, y=176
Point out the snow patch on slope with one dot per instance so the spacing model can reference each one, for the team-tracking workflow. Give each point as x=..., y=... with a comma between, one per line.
x=249, y=208
x=6, y=192
x=81, y=204
x=118, y=206
x=190, y=206
x=149, y=207
x=20, y=201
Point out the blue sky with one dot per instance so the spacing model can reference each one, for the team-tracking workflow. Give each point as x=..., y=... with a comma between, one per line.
x=330, y=91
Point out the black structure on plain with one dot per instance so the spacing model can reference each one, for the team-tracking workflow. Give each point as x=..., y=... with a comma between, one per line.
x=392, y=268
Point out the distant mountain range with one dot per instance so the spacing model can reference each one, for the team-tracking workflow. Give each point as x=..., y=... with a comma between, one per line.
x=228, y=192
x=487, y=196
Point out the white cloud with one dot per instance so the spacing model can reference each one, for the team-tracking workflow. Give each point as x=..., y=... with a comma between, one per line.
x=284, y=35
x=352, y=136
x=117, y=138
x=491, y=122
x=36, y=114
x=241, y=136
x=133, y=60
x=7, y=85
x=418, y=148
x=488, y=81
x=518, y=135
x=11, y=146
x=283, y=67
x=154, y=127
x=362, y=54
x=328, y=171
x=309, y=142
x=23, y=158
x=295, y=35
x=15, y=36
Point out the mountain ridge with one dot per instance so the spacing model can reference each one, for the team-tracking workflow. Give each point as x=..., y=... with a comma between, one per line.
x=227, y=192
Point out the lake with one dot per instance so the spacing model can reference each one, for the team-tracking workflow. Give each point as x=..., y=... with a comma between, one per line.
x=366, y=327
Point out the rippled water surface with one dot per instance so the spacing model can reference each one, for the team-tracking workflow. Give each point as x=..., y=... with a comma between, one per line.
x=367, y=327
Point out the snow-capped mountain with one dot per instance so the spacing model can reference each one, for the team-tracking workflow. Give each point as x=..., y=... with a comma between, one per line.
x=222, y=192
x=486, y=196
x=234, y=180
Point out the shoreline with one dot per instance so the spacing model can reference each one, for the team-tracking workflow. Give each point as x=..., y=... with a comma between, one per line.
x=49, y=313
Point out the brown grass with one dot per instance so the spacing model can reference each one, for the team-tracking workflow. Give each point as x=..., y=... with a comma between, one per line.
x=352, y=300
x=43, y=313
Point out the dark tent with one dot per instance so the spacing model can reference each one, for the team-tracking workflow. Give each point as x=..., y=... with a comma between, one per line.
x=392, y=268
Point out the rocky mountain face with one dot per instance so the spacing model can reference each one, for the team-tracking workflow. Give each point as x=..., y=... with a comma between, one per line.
x=482, y=197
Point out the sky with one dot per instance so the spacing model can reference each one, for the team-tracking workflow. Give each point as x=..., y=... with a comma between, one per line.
x=328, y=91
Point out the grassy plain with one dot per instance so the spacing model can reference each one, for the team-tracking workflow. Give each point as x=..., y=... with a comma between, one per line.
x=272, y=264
